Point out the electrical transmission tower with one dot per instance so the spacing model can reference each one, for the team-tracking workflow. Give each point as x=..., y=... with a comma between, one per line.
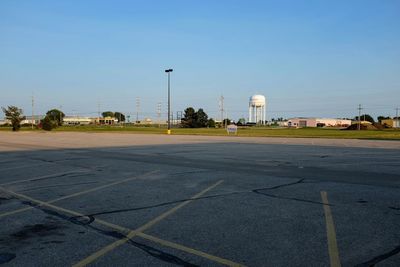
x=159, y=114
x=221, y=109
x=33, y=110
x=359, y=116
x=98, y=113
x=137, y=109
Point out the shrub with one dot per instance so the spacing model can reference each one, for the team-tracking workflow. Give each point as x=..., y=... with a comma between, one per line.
x=48, y=124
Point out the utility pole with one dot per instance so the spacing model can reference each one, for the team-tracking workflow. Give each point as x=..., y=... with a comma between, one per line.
x=137, y=109
x=60, y=115
x=98, y=112
x=33, y=107
x=159, y=114
x=397, y=113
x=221, y=109
x=359, y=116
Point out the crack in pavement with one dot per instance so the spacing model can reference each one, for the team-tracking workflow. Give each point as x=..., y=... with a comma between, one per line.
x=57, y=162
x=215, y=196
x=258, y=191
x=279, y=186
x=379, y=258
x=161, y=255
x=156, y=253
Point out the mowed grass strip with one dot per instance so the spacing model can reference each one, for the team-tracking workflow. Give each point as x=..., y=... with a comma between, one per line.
x=387, y=134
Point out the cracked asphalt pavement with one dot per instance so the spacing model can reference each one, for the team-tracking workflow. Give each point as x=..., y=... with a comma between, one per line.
x=99, y=199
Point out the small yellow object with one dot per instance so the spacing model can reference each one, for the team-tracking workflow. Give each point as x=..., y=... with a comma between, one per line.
x=168, y=131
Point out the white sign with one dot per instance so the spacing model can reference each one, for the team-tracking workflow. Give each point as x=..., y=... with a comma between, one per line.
x=231, y=128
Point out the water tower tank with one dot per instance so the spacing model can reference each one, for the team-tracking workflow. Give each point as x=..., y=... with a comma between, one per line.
x=257, y=100
x=257, y=109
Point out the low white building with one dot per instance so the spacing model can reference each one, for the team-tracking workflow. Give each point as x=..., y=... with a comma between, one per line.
x=77, y=120
x=278, y=123
x=105, y=121
x=35, y=120
x=318, y=122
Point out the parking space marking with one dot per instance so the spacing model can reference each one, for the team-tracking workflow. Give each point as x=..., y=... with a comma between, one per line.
x=78, y=193
x=142, y=228
x=43, y=177
x=126, y=231
x=189, y=250
x=23, y=166
x=330, y=232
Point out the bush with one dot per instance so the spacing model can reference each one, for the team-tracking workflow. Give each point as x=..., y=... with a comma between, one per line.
x=211, y=123
x=48, y=124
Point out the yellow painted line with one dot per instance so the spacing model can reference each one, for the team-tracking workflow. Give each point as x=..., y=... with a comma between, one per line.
x=22, y=167
x=42, y=177
x=126, y=231
x=78, y=193
x=133, y=233
x=5, y=214
x=189, y=250
x=330, y=232
x=67, y=211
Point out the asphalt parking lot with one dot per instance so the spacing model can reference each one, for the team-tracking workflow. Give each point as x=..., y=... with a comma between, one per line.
x=77, y=199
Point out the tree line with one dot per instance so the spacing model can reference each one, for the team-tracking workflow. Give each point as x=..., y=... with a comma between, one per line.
x=53, y=119
x=192, y=118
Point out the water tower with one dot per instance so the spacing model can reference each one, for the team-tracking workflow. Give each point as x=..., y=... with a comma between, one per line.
x=257, y=109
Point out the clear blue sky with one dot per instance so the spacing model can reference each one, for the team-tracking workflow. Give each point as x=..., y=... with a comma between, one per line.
x=309, y=58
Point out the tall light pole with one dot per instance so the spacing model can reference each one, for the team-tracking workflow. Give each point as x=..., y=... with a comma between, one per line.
x=169, y=101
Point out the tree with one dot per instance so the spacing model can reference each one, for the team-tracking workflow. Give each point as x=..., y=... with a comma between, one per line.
x=193, y=119
x=380, y=118
x=226, y=122
x=107, y=114
x=56, y=115
x=189, y=118
x=119, y=116
x=48, y=123
x=201, y=118
x=211, y=123
x=241, y=121
x=14, y=114
x=365, y=117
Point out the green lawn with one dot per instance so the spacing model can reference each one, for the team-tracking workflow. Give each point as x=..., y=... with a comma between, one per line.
x=388, y=134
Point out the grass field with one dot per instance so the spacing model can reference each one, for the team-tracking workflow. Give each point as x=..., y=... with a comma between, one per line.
x=388, y=134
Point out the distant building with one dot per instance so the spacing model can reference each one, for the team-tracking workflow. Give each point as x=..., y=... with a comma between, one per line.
x=395, y=123
x=279, y=123
x=76, y=120
x=318, y=122
x=106, y=121
x=35, y=119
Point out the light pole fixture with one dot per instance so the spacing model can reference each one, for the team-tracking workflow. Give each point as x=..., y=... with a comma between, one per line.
x=169, y=101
